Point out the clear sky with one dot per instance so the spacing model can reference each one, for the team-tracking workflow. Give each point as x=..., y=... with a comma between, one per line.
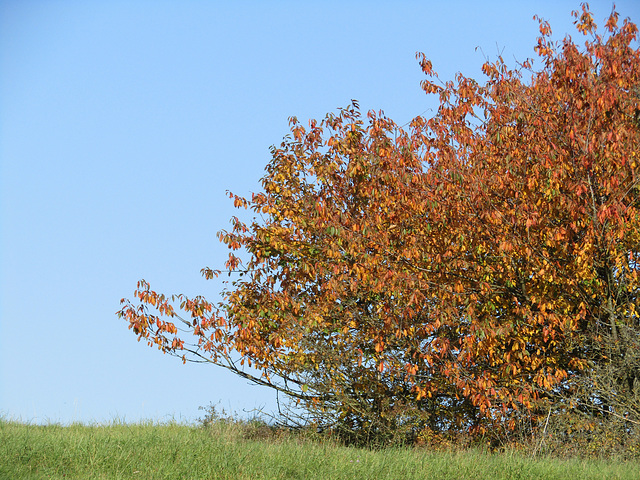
x=122, y=123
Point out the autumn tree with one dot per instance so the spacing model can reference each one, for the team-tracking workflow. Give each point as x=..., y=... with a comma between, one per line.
x=465, y=273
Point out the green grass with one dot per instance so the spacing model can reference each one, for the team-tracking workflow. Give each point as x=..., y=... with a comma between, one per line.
x=223, y=451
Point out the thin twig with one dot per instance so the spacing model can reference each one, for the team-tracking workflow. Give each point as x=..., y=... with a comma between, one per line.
x=544, y=430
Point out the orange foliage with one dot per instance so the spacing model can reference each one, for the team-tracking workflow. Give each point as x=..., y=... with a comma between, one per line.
x=462, y=267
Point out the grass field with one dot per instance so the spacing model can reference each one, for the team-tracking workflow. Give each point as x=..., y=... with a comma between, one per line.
x=224, y=451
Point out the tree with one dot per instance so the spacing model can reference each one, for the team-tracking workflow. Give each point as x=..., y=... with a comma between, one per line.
x=459, y=275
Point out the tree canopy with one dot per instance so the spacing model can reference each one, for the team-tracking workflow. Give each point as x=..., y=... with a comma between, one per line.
x=457, y=275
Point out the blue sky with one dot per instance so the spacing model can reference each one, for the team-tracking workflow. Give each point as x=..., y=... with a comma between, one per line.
x=123, y=123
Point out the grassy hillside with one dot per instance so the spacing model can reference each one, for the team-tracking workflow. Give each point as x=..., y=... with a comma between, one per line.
x=226, y=450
